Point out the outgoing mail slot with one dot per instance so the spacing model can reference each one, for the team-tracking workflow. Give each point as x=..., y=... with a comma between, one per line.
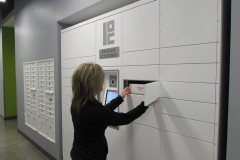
x=149, y=89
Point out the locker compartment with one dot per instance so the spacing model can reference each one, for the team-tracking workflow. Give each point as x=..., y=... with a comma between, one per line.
x=140, y=143
x=190, y=73
x=30, y=112
x=51, y=90
x=42, y=124
x=50, y=128
x=51, y=110
x=114, y=140
x=150, y=118
x=74, y=63
x=41, y=63
x=33, y=64
x=147, y=57
x=188, y=109
x=78, y=42
x=40, y=96
x=49, y=73
x=27, y=117
x=50, y=97
x=174, y=146
x=34, y=120
x=32, y=74
x=50, y=84
x=141, y=27
x=184, y=22
x=43, y=102
x=40, y=91
x=40, y=73
x=150, y=73
x=136, y=4
x=40, y=106
x=108, y=51
x=52, y=105
x=202, y=92
x=49, y=79
x=49, y=62
x=41, y=110
x=44, y=88
x=48, y=68
x=67, y=135
x=67, y=72
x=150, y=90
x=50, y=114
x=203, y=53
x=190, y=128
x=40, y=83
x=32, y=69
x=45, y=83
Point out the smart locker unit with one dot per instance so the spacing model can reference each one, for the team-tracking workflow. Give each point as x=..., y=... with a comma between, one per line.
x=160, y=48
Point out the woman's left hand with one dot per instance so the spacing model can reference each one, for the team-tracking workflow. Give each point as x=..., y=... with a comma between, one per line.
x=125, y=91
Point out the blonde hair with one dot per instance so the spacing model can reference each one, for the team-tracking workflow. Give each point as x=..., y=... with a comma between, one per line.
x=87, y=82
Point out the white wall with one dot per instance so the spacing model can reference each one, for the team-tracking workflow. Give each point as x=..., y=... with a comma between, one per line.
x=39, y=18
x=1, y=79
x=170, y=41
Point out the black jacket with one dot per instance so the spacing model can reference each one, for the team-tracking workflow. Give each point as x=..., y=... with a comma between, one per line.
x=90, y=125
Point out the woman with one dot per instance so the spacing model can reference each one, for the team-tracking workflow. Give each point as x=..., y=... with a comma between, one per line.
x=90, y=118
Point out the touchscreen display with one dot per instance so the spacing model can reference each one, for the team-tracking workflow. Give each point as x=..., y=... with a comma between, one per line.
x=111, y=94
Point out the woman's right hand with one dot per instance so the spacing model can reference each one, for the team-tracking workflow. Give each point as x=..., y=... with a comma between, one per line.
x=125, y=92
x=153, y=102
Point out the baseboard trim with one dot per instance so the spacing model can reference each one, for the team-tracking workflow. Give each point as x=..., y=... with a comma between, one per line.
x=9, y=118
x=36, y=145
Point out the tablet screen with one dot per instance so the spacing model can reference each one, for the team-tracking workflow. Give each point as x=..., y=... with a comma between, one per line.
x=110, y=95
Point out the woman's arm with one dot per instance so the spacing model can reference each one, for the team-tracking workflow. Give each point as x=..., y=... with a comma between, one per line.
x=103, y=116
x=113, y=104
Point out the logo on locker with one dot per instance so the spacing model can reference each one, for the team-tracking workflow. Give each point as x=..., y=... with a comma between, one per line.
x=108, y=32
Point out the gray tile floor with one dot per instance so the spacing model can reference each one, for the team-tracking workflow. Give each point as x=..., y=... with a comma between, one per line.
x=14, y=146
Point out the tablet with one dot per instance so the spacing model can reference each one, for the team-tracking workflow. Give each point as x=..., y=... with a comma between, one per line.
x=110, y=94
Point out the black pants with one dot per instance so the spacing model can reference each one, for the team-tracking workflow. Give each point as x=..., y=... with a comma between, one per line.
x=78, y=155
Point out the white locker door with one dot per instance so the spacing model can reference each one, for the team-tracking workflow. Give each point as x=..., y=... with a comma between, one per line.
x=141, y=27
x=188, y=22
x=114, y=140
x=79, y=42
x=140, y=143
x=150, y=118
x=177, y=147
x=152, y=92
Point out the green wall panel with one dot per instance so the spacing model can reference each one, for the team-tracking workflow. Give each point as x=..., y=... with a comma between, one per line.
x=9, y=75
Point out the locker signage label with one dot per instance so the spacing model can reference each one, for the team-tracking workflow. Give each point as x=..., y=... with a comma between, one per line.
x=108, y=32
x=109, y=53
